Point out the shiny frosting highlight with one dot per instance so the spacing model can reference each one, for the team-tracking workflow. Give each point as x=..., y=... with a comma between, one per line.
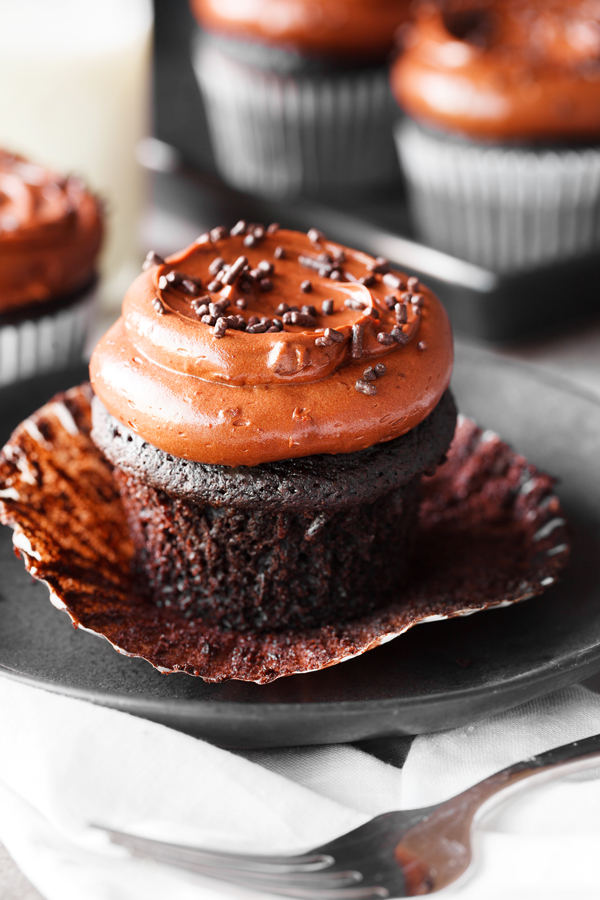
x=293, y=387
x=504, y=70
x=50, y=233
x=354, y=30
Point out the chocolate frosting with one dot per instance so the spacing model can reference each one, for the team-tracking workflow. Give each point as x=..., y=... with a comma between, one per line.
x=292, y=389
x=360, y=30
x=504, y=70
x=50, y=233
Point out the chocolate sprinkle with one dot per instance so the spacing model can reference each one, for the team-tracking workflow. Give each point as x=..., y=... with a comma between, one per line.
x=336, y=275
x=369, y=374
x=392, y=281
x=217, y=234
x=220, y=327
x=241, y=303
x=250, y=241
x=191, y=286
x=357, y=341
x=238, y=228
x=364, y=387
x=308, y=310
x=381, y=266
x=282, y=308
x=273, y=228
x=422, y=345
x=158, y=306
x=367, y=280
x=327, y=307
x=413, y=283
x=214, y=286
x=266, y=266
x=152, y=259
x=380, y=369
x=298, y=318
x=390, y=300
x=306, y=286
x=216, y=265
x=235, y=270
x=384, y=338
x=336, y=336
x=309, y=262
x=315, y=236
x=401, y=316
x=323, y=341
x=163, y=284
x=279, y=252
x=266, y=284
x=400, y=336
x=372, y=312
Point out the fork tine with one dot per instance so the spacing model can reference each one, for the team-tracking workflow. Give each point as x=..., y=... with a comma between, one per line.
x=304, y=877
x=313, y=862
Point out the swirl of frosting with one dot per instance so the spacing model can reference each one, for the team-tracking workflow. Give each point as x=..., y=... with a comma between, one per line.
x=50, y=233
x=252, y=346
x=513, y=70
x=358, y=30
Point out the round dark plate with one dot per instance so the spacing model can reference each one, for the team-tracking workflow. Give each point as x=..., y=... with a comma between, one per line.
x=436, y=676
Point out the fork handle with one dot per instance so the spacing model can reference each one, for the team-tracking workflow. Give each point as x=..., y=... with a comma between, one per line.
x=452, y=821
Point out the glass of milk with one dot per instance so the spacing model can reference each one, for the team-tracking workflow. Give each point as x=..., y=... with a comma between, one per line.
x=75, y=95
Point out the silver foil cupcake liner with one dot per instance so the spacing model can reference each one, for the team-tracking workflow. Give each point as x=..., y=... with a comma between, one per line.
x=284, y=135
x=46, y=343
x=505, y=208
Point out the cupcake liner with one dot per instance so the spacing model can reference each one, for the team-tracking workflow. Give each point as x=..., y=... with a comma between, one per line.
x=46, y=343
x=285, y=135
x=491, y=532
x=504, y=208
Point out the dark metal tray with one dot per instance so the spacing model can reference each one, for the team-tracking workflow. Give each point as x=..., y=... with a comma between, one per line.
x=437, y=676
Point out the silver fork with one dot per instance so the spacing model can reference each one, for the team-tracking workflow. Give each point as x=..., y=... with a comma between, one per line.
x=398, y=854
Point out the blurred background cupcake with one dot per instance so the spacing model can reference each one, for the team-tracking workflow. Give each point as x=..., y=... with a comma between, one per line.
x=76, y=98
x=296, y=92
x=502, y=149
x=50, y=236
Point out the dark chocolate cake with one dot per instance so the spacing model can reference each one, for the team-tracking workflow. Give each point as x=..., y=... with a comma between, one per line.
x=296, y=542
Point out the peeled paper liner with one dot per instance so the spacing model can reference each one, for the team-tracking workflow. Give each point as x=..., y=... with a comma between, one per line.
x=491, y=532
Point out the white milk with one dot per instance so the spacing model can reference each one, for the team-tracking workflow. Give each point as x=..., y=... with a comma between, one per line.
x=74, y=95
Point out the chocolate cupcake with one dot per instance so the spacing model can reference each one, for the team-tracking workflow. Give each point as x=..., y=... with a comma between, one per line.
x=297, y=94
x=269, y=401
x=502, y=149
x=50, y=236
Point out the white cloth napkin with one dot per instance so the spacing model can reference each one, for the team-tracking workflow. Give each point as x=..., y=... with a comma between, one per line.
x=65, y=764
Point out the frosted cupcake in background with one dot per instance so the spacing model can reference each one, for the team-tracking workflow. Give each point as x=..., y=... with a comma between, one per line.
x=297, y=92
x=50, y=235
x=502, y=149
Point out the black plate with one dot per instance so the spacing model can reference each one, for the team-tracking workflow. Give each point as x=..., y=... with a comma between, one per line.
x=437, y=676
